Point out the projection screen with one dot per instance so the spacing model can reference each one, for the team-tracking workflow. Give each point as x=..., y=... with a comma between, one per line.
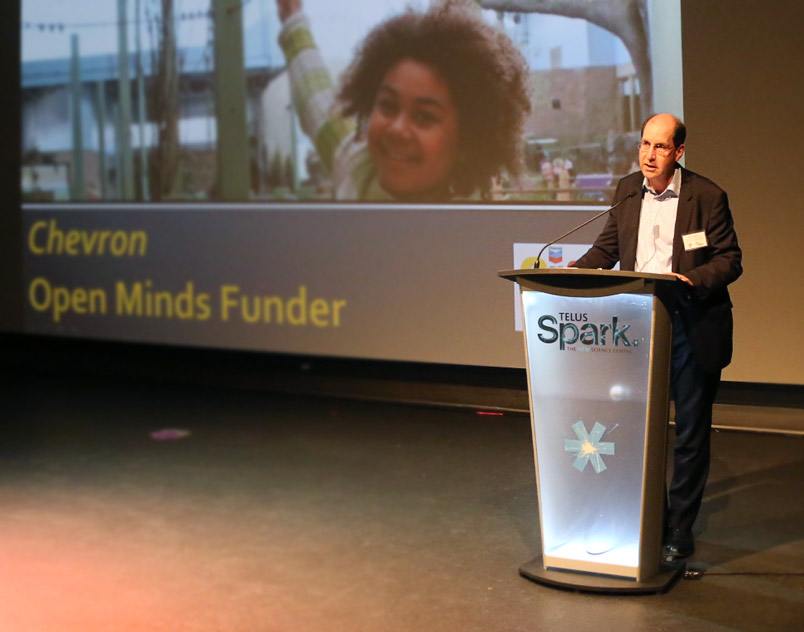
x=338, y=179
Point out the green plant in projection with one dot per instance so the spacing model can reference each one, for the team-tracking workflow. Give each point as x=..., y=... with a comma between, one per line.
x=289, y=174
x=275, y=170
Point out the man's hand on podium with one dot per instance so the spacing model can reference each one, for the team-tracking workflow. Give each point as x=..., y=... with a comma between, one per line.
x=682, y=278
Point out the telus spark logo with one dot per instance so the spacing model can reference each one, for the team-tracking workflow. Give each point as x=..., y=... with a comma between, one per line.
x=566, y=330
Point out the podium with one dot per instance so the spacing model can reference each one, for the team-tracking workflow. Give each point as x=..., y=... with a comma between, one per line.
x=597, y=344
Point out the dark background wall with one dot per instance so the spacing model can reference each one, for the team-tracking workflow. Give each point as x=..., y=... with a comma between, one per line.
x=10, y=220
x=743, y=108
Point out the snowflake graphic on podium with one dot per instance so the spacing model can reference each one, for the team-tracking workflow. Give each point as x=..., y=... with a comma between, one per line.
x=588, y=447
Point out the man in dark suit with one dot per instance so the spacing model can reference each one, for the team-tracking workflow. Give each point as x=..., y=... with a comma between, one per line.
x=679, y=222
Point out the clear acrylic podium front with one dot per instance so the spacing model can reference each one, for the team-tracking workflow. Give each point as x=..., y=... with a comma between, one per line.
x=598, y=359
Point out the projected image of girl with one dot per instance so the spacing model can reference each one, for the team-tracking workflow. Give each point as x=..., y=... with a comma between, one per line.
x=430, y=109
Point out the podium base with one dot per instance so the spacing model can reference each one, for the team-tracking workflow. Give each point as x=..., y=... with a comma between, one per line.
x=591, y=582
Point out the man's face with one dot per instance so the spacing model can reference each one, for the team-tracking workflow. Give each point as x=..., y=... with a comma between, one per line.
x=657, y=153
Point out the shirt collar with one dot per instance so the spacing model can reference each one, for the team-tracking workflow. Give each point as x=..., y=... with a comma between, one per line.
x=672, y=189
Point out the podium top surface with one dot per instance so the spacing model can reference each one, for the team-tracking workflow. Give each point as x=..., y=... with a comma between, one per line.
x=577, y=280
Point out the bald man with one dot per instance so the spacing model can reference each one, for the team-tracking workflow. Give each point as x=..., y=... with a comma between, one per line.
x=678, y=222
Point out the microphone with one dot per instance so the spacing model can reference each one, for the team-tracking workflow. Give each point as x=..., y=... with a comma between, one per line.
x=579, y=226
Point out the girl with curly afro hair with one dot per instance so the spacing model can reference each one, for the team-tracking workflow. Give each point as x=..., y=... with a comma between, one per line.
x=430, y=109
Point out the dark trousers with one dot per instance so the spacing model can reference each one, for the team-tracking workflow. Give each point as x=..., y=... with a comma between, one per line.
x=694, y=391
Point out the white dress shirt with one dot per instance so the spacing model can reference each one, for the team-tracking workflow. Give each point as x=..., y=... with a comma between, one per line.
x=657, y=224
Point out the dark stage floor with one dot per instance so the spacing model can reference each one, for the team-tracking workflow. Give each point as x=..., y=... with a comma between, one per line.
x=288, y=513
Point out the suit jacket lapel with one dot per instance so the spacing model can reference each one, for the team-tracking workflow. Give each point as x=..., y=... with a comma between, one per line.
x=629, y=221
x=683, y=218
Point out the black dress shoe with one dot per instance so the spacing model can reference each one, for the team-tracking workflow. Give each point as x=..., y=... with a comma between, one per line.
x=679, y=544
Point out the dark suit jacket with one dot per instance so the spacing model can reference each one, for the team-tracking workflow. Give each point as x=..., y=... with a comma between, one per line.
x=706, y=308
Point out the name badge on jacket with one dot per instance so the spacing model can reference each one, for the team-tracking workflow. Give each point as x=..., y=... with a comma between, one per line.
x=693, y=241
